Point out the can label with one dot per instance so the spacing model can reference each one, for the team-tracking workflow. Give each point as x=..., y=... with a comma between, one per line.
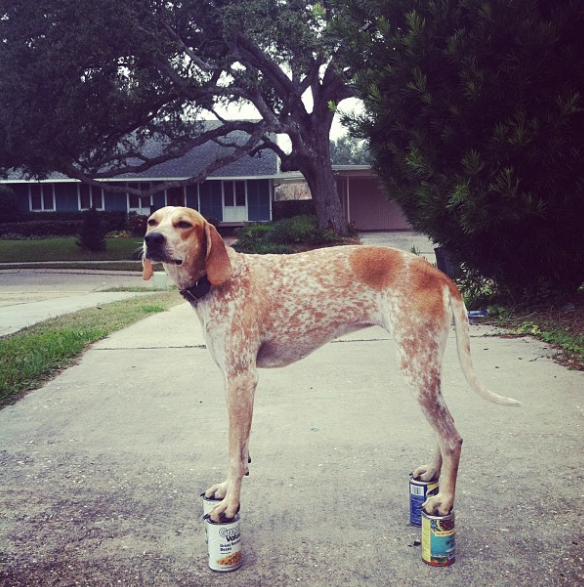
x=419, y=492
x=438, y=539
x=224, y=544
x=209, y=504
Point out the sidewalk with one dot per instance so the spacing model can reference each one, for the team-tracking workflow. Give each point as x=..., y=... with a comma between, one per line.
x=29, y=296
x=101, y=469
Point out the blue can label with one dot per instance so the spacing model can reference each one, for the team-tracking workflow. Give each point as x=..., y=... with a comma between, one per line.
x=419, y=492
x=438, y=539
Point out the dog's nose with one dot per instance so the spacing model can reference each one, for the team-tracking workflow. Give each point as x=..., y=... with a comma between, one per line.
x=154, y=239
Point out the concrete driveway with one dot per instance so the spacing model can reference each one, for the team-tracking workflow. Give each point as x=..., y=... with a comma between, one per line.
x=101, y=469
x=404, y=240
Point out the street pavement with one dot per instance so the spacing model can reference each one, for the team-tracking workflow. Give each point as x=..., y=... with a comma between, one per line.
x=101, y=469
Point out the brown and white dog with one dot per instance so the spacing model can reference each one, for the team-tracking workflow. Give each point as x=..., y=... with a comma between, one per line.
x=272, y=310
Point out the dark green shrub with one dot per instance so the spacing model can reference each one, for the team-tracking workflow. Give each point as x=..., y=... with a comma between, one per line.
x=213, y=220
x=289, y=208
x=8, y=204
x=92, y=233
x=112, y=221
x=136, y=224
x=262, y=248
x=284, y=236
x=475, y=115
x=296, y=230
x=251, y=236
x=44, y=229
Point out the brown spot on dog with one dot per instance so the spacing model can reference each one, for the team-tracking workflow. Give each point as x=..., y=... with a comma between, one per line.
x=427, y=285
x=377, y=267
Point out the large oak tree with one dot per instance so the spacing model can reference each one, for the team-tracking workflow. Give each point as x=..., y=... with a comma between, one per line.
x=84, y=83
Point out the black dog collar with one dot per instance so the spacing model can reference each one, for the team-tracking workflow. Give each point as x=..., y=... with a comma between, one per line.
x=196, y=292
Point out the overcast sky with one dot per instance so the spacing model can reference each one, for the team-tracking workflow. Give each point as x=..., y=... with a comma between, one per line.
x=249, y=112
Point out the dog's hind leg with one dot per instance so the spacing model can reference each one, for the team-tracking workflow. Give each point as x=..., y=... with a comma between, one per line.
x=431, y=471
x=420, y=351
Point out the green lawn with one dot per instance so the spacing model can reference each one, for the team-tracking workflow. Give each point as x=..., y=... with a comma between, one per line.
x=65, y=249
x=33, y=355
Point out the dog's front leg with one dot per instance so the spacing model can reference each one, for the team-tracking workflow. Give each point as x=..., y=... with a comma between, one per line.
x=240, y=394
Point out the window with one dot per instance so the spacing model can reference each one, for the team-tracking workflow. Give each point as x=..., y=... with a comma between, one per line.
x=90, y=196
x=240, y=193
x=139, y=204
x=228, y=193
x=234, y=193
x=42, y=197
x=175, y=196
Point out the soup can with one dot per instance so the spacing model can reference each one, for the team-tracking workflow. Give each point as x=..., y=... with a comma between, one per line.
x=224, y=544
x=438, y=539
x=209, y=504
x=419, y=493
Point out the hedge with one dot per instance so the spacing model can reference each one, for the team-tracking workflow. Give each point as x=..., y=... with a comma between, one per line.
x=42, y=224
x=46, y=228
x=289, y=208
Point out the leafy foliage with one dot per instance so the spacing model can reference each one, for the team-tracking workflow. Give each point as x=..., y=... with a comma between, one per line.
x=285, y=236
x=475, y=115
x=57, y=249
x=39, y=229
x=347, y=150
x=8, y=203
x=86, y=86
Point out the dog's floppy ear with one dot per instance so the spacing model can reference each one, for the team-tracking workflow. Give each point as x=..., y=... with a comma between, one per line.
x=147, y=269
x=217, y=263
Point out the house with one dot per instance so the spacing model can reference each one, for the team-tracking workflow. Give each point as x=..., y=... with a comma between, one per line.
x=237, y=193
x=364, y=202
x=242, y=191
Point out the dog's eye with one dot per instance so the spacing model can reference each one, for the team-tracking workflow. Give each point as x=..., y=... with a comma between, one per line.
x=151, y=222
x=184, y=224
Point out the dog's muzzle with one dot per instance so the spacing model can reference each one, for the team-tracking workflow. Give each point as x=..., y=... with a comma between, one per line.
x=155, y=249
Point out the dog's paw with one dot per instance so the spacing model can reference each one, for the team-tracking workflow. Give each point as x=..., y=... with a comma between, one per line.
x=217, y=491
x=426, y=473
x=224, y=511
x=438, y=505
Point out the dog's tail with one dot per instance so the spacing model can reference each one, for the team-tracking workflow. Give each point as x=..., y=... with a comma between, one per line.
x=461, y=328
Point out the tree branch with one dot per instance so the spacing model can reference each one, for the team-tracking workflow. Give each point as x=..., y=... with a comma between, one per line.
x=239, y=152
x=227, y=127
x=281, y=82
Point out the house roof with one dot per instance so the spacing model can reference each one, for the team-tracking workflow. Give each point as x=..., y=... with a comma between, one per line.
x=338, y=170
x=263, y=164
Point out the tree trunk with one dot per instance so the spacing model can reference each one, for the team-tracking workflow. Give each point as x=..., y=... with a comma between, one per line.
x=311, y=156
x=323, y=187
x=309, y=135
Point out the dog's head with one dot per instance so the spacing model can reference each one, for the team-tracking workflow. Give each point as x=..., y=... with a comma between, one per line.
x=187, y=245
